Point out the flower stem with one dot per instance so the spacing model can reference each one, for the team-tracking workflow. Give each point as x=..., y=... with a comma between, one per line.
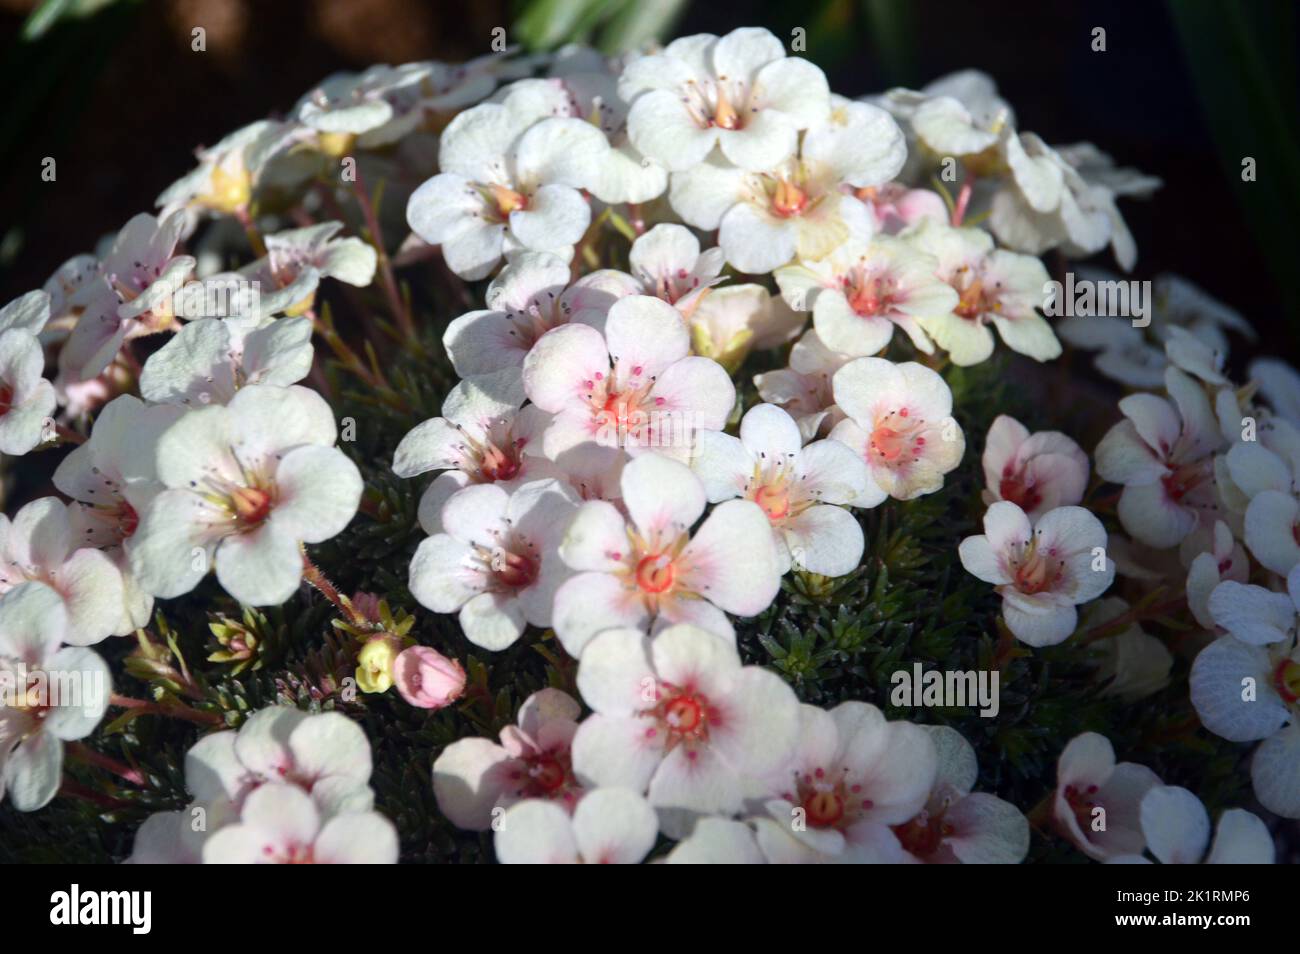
x=68, y=436
x=71, y=789
x=177, y=711
x=395, y=302
x=85, y=753
x=250, y=230
x=1120, y=623
x=313, y=576
x=963, y=200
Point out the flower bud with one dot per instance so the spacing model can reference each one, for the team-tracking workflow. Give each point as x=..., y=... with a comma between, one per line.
x=428, y=679
x=375, y=664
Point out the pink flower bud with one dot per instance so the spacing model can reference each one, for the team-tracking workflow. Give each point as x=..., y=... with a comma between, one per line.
x=428, y=679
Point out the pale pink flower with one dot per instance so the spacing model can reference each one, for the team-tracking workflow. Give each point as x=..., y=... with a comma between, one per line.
x=861, y=292
x=1097, y=801
x=495, y=561
x=958, y=825
x=325, y=755
x=794, y=209
x=900, y=421
x=678, y=715
x=1177, y=830
x=529, y=297
x=894, y=206
x=636, y=386
x=1037, y=472
x=739, y=92
x=247, y=484
x=41, y=543
x=61, y=691
x=648, y=568
x=804, y=388
x=134, y=296
x=610, y=826
x=668, y=263
x=1041, y=570
x=473, y=778
x=854, y=776
x=484, y=436
x=796, y=486
x=1162, y=454
x=281, y=825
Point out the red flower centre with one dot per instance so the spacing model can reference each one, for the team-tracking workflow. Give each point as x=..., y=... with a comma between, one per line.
x=514, y=570
x=1014, y=488
x=655, y=573
x=251, y=504
x=1286, y=678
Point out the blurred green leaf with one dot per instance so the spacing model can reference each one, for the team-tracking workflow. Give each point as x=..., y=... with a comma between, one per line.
x=614, y=26
x=1245, y=74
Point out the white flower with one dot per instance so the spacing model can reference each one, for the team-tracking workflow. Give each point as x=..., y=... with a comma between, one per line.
x=356, y=104
x=1132, y=664
x=1279, y=384
x=495, y=561
x=649, y=569
x=529, y=297
x=208, y=360
x=1245, y=685
x=894, y=207
x=175, y=838
x=1161, y=453
x=958, y=825
x=1037, y=472
x=474, y=777
x=325, y=754
x=717, y=841
x=852, y=777
x=794, y=485
x=1135, y=356
x=900, y=421
x=1041, y=570
x=1097, y=801
x=804, y=388
x=281, y=825
x=482, y=437
x=739, y=92
x=300, y=258
x=730, y=322
x=995, y=286
x=668, y=263
x=42, y=543
x=247, y=484
x=1263, y=474
x=797, y=208
x=610, y=826
x=227, y=172
x=859, y=293
x=959, y=114
x=48, y=694
x=113, y=478
x=26, y=399
x=135, y=296
x=506, y=186
x=678, y=715
x=590, y=92
x=1064, y=199
x=1225, y=560
x=635, y=386
x=1177, y=831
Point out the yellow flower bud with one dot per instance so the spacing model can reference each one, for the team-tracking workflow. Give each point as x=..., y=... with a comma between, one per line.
x=375, y=664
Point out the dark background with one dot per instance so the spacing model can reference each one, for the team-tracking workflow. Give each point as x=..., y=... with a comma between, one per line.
x=1184, y=90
